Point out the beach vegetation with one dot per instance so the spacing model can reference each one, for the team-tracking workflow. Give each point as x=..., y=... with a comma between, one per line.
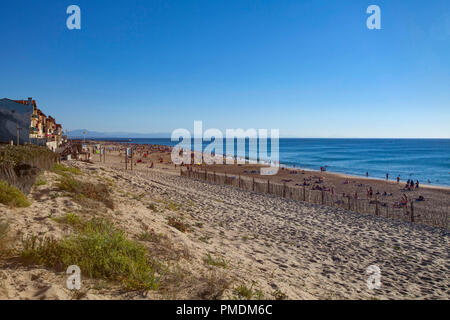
x=151, y=236
x=217, y=262
x=100, y=250
x=138, y=197
x=204, y=239
x=4, y=230
x=40, y=182
x=152, y=207
x=70, y=219
x=82, y=190
x=40, y=157
x=63, y=170
x=244, y=292
x=178, y=224
x=12, y=196
x=212, y=287
x=278, y=295
x=173, y=206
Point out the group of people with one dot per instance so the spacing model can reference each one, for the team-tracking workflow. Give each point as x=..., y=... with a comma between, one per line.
x=410, y=185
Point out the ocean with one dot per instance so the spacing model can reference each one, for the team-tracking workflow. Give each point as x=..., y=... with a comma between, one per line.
x=426, y=160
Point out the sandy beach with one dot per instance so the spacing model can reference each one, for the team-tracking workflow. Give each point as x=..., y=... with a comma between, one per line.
x=436, y=199
x=278, y=247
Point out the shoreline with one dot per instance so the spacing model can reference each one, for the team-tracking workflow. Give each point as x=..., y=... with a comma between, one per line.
x=430, y=203
x=299, y=169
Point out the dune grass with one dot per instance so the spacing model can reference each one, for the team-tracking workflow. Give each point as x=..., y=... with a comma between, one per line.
x=219, y=262
x=40, y=182
x=64, y=170
x=70, y=219
x=12, y=196
x=151, y=236
x=244, y=292
x=82, y=189
x=178, y=224
x=41, y=157
x=4, y=229
x=101, y=251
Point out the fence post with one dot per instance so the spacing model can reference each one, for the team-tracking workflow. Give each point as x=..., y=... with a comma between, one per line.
x=225, y=178
x=268, y=186
x=348, y=197
x=181, y=171
x=376, y=205
x=304, y=193
x=322, y=196
x=214, y=173
x=206, y=175
x=131, y=159
x=253, y=184
x=239, y=181
x=284, y=190
x=412, y=211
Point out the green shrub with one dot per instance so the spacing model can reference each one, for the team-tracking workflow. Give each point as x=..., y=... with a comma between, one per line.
x=40, y=182
x=101, y=251
x=70, y=219
x=81, y=189
x=152, y=207
x=64, y=170
x=40, y=157
x=220, y=262
x=244, y=292
x=4, y=229
x=151, y=236
x=12, y=196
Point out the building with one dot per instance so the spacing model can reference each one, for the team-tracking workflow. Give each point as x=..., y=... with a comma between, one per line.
x=15, y=120
x=25, y=118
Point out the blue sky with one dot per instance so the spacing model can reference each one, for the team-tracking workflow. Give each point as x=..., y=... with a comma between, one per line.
x=310, y=68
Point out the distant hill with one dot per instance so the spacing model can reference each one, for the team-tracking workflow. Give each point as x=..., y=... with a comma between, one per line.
x=97, y=135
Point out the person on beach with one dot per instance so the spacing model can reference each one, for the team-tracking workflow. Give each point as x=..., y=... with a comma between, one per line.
x=367, y=173
x=417, y=184
x=387, y=176
x=370, y=192
x=398, y=180
x=404, y=200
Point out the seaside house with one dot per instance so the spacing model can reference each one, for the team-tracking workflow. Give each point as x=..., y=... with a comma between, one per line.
x=15, y=116
x=42, y=123
x=51, y=127
x=36, y=128
x=23, y=117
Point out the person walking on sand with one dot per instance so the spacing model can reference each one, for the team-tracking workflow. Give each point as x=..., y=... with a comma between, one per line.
x=387, y=176
x=398, y=180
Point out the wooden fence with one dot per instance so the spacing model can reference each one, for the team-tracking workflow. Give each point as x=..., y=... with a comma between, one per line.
x=415, y=212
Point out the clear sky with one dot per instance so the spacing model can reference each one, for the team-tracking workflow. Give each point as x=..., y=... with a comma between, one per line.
x=309, y=68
